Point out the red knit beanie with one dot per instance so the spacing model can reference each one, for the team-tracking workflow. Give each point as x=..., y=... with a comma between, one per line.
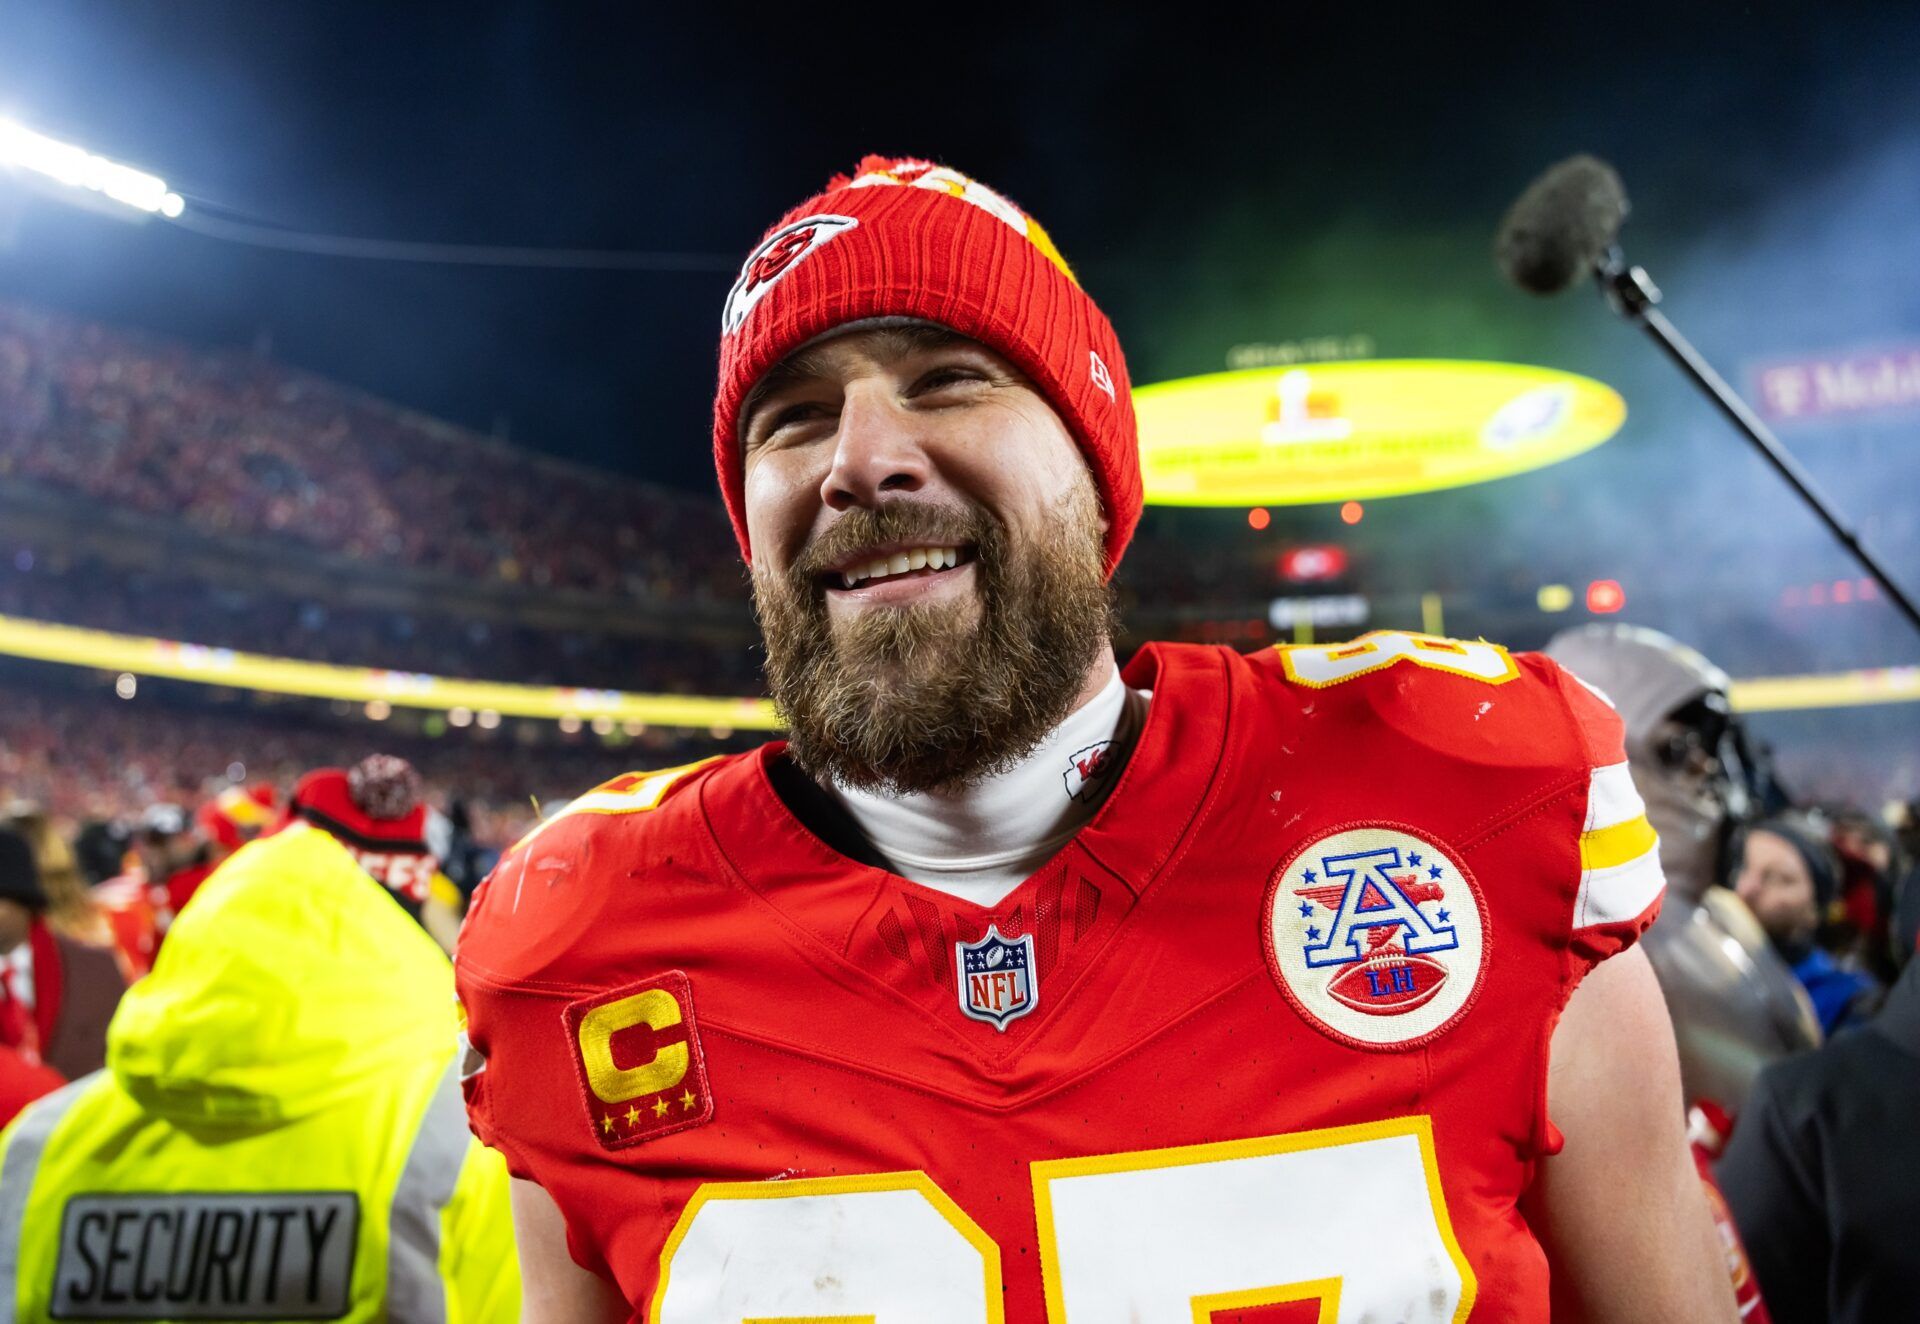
x=376, y=811
x=907, y=238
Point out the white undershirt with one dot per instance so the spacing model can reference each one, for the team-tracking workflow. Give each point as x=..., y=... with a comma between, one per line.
x=980, y=843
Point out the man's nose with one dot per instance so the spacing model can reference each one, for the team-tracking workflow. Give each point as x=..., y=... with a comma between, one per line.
x=878, y=450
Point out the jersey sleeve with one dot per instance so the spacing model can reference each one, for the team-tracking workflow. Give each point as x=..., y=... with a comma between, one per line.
x=520, y=1084
x=482, y=1005
x=1620, y=879
x=569, y=914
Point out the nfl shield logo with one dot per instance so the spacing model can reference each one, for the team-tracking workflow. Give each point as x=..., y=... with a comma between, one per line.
x=997, y=981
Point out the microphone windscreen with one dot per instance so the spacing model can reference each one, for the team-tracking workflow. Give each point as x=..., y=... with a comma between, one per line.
x=1561, y=225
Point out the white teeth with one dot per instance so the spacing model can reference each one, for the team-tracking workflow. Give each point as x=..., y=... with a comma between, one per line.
x=899, y=563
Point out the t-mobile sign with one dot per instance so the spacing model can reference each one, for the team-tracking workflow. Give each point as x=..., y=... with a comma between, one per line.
x=1855, y=383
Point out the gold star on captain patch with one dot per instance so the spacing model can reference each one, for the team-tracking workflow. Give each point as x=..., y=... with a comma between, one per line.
x=659, y=1107
x=606, y=1123
x=687, y=1100
x=633, y=1114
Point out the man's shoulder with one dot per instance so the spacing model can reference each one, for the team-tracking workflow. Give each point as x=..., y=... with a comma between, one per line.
x=1467, y=699
x=611, y=863
x=647, y=804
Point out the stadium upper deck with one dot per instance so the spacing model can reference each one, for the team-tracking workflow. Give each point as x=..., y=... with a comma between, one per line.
x=235, y=444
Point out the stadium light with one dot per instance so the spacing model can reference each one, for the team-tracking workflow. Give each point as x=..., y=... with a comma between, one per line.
x=77, y=168
x=1605, y=596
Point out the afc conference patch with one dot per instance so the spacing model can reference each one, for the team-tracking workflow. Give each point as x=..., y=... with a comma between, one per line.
x=1377, y=935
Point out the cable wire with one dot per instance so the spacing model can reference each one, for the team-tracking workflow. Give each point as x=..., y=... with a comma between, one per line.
x=470, y=255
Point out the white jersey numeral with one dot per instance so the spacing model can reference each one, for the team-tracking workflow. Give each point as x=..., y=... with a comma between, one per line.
x=1351, y=1218
x=889, y=1249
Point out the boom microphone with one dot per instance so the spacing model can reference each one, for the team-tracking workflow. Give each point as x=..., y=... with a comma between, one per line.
x=1562, y=225
x=1566, y=225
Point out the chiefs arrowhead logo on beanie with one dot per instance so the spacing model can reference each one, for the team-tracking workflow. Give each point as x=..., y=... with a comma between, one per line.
x=907, y=238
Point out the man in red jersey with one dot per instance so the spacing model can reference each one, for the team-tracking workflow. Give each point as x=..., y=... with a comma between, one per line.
x=1017, y=988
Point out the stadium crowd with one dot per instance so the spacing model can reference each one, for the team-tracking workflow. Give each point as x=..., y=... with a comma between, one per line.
x=233, y=443
x=85, y=756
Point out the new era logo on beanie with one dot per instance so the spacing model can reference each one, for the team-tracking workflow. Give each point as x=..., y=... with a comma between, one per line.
x=903, y=237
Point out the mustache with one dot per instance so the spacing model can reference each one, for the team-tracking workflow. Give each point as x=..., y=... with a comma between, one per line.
x=894, y=522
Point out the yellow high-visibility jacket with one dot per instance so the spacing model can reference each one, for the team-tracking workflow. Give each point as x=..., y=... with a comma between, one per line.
x=278, y=1133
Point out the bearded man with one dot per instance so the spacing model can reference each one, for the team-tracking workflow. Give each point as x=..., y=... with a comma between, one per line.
x=1013, y=987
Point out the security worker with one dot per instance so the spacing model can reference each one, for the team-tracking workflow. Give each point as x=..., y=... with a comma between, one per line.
x=278, y=1133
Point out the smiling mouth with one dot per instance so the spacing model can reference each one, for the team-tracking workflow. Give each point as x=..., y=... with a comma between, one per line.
x=906, y=563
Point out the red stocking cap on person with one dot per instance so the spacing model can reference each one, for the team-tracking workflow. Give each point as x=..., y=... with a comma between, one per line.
x=905, y=238
x=376, y=811
x=236, y=816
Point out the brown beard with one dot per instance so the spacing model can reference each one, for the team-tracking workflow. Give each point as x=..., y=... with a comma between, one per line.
x=936, y=697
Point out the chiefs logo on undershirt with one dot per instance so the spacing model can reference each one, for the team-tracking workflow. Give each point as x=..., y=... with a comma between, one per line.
x=641, y=1068
x=1086, y=769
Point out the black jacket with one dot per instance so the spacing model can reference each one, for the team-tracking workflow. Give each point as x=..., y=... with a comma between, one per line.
x=1823, y=1173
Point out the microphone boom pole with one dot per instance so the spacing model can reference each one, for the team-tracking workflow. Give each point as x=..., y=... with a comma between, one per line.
x=1567, y=224
x=1633, y=295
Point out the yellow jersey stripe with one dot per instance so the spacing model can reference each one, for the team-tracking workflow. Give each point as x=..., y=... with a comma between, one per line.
x=1605, y=847
x=1620, y=894
x=644, y=792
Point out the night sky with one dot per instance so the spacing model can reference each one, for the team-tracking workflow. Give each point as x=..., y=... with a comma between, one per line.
x=1294, y=175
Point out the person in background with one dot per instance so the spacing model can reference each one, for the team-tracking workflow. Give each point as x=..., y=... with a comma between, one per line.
x=23, y=1080
x=121, y=919
x=236, y=816
x=375, y=809
x=1820, y=1172
x=56, y=993
x=100, y=850
x=1789, y=876
x=1903, y=912
x=1735, y=1004
x=464, y=859
x=1871, y=865
x=279, y=1132
x=174, y=858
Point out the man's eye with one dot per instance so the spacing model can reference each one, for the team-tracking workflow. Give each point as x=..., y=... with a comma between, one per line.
x=941, y=378
x=794, y=413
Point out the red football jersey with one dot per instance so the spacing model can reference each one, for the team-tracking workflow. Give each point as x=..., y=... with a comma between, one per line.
x=1266, y=1041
